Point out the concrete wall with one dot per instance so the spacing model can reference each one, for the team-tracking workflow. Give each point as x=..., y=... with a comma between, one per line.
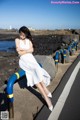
x=47, y=63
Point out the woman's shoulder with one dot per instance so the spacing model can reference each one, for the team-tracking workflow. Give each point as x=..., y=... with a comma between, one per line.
x=27, y=39
x=17, y=39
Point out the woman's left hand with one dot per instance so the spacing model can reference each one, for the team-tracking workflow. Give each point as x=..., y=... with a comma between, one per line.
x=22, y=52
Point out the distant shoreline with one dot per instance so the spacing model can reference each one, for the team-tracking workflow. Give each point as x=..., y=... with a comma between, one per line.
x=11, y=35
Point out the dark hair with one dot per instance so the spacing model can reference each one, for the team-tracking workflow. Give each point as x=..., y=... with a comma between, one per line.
x=26, y=31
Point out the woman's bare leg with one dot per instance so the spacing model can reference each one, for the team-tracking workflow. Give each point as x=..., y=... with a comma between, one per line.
x=48, y=101
x=45, y=88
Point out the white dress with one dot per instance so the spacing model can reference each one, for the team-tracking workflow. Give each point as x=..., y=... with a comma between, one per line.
x=34, y=72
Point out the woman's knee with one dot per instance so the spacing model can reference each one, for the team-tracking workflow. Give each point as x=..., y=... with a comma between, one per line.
x=37, y=85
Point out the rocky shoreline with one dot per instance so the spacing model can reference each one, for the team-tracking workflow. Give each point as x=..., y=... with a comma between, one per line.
x=8, y=65
x=48, y=44
x=12, y=34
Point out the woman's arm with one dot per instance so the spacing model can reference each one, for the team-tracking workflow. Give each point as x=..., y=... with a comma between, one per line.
x=17, y=43
x=22, y=52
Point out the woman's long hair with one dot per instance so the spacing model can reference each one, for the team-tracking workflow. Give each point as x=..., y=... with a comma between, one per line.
x=26, y=31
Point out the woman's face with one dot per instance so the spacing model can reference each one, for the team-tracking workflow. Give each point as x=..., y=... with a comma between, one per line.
x=22, y=35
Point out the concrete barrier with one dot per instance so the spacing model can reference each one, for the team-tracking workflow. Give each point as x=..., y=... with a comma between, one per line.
x=48, y=64
x=67, y=59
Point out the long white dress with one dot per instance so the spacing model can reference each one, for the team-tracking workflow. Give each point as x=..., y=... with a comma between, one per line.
x=34, y=72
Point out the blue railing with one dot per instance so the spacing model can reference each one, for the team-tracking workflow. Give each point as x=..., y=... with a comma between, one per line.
x=71, y=48
x=11, y=82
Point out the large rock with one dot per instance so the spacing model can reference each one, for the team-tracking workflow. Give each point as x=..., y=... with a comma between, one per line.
x=48, y=64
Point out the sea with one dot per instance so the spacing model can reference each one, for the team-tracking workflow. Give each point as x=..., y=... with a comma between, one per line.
x=8, y=46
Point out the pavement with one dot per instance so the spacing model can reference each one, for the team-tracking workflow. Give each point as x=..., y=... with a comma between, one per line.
x=66, y=99
x=71, y=109
x=28, y=103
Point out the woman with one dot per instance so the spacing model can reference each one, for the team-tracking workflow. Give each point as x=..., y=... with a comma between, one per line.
x=34, y=73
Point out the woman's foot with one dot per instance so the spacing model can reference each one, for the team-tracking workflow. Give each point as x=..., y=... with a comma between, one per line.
x=51, y=108
x=49, y=103
x=49, y=95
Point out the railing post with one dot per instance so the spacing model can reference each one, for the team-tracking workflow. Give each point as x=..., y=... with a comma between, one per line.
x=70, y=50
x=9, y=91
x=56, y=59
x=11, y=109
x=64, y=54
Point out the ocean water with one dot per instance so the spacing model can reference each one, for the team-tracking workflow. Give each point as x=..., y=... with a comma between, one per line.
x=8, y=46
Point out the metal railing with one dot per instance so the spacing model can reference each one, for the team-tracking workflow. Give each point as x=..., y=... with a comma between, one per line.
x=71, y=49
x=10, y=96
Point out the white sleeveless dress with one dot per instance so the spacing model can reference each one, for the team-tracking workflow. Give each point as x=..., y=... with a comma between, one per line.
x=34, y=72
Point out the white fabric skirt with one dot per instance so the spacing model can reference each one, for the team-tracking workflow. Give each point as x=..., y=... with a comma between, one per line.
x=34, y=72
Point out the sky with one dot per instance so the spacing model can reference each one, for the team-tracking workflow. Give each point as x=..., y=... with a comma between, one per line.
x=39, y=14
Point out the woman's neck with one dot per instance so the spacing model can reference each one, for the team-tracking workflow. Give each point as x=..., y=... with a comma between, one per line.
x=23, y=39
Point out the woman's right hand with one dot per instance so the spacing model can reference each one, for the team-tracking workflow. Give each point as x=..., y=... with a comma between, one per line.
x=22, y=52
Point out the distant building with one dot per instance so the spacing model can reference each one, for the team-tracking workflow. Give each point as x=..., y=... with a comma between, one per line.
x=30, y=28
x=10, y=27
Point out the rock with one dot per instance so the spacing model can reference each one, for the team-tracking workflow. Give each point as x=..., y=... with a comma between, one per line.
x=47, y=63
